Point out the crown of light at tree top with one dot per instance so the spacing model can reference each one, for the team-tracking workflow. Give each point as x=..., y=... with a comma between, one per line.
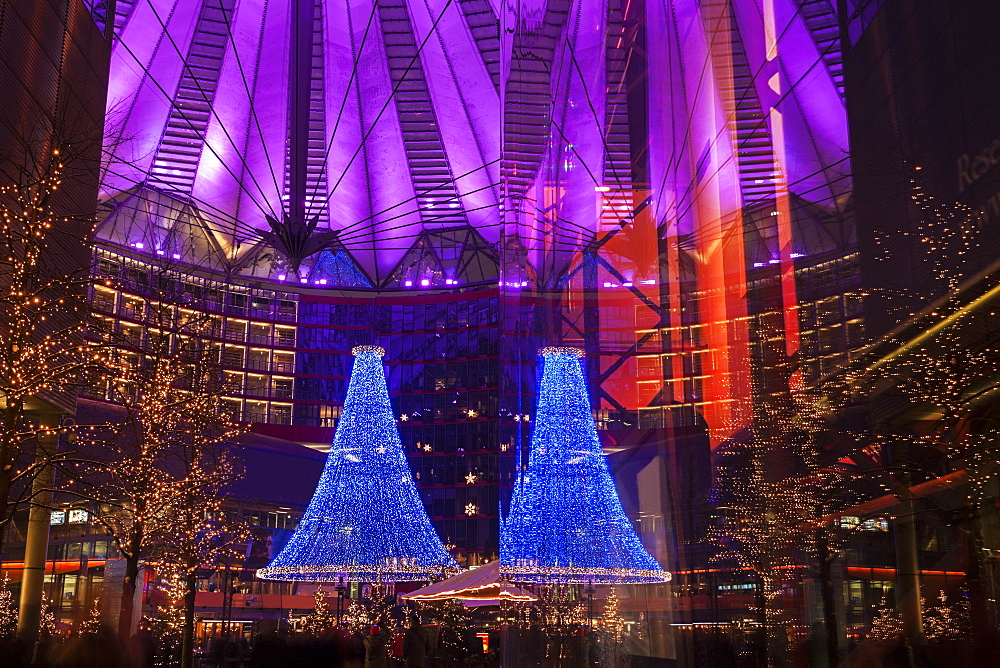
x=566, y=523
x=365, y=522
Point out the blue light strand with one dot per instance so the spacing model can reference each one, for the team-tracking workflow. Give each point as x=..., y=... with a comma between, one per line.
x=566, y=522
x=365, y=522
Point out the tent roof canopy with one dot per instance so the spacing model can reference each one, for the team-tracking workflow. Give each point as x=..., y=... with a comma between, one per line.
x=481, y=584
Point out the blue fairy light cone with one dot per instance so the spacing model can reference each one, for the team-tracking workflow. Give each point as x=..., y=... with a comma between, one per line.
x=566, y=523
x=365, y=522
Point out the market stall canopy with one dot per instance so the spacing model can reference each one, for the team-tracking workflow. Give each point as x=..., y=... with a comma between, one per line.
x=476, y=586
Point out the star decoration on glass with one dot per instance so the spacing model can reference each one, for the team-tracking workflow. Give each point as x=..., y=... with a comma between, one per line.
x=427, y=447
x=471, y=479
x=404, y=417
x=471, y=509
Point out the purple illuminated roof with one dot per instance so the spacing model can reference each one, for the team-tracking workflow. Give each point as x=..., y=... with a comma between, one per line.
x=411, y=116
x=202, y=90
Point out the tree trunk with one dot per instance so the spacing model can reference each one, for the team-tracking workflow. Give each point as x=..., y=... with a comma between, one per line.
x=129, y=585
x=187, y=644
x=774, y=632
x=828, y=595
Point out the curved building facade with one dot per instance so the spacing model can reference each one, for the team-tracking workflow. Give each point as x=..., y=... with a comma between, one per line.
x=286, y=352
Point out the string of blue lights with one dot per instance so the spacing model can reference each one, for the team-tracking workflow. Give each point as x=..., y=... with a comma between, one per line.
x=365, y=522
x=566, y=523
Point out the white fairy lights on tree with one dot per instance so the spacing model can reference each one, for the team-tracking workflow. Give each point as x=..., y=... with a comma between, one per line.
x=169, y=618
x=162, y=464
x=92, y=624
x=320, y=618
x=611, y=621
x=8, y=611
x=886, y=625
x=948, y=619
x=47, y=619
x=42, y=314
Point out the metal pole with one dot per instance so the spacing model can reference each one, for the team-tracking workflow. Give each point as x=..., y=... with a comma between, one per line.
x=907, y=556
x=227, y=598
x=37, y=539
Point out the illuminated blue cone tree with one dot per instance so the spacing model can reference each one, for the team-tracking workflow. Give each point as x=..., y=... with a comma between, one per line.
x=566, y=523
x=365, y=522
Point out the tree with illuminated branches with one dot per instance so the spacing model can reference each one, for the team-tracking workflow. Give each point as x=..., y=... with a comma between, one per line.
x=778, y=497
x=943, y=244
x=168, y=621
x=204, y=533
x=782, y=492
x=49, y=171
x=454, y=620
x=162, y=454
x=611, y=632
x=611, y=621
x=47, y=620
x=8, y=611
x=945, y=365
x=886, y=624
x=43, y=279
x=378, y=609
x=92, y=624
x=948, y=379
x=320, y=619
x=948, y=619
x=756, y=530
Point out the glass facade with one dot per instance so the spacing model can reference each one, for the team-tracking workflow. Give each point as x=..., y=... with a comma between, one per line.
x=287, y=359
x=669, y=193
x=762, y=233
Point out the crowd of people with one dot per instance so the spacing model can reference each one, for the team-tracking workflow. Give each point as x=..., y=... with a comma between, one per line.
x=411, y=645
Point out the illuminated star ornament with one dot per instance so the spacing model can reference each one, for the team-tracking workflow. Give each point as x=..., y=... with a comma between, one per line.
x=471, y=509
x=566, y=523
x=470, y=479
x=366, y=522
